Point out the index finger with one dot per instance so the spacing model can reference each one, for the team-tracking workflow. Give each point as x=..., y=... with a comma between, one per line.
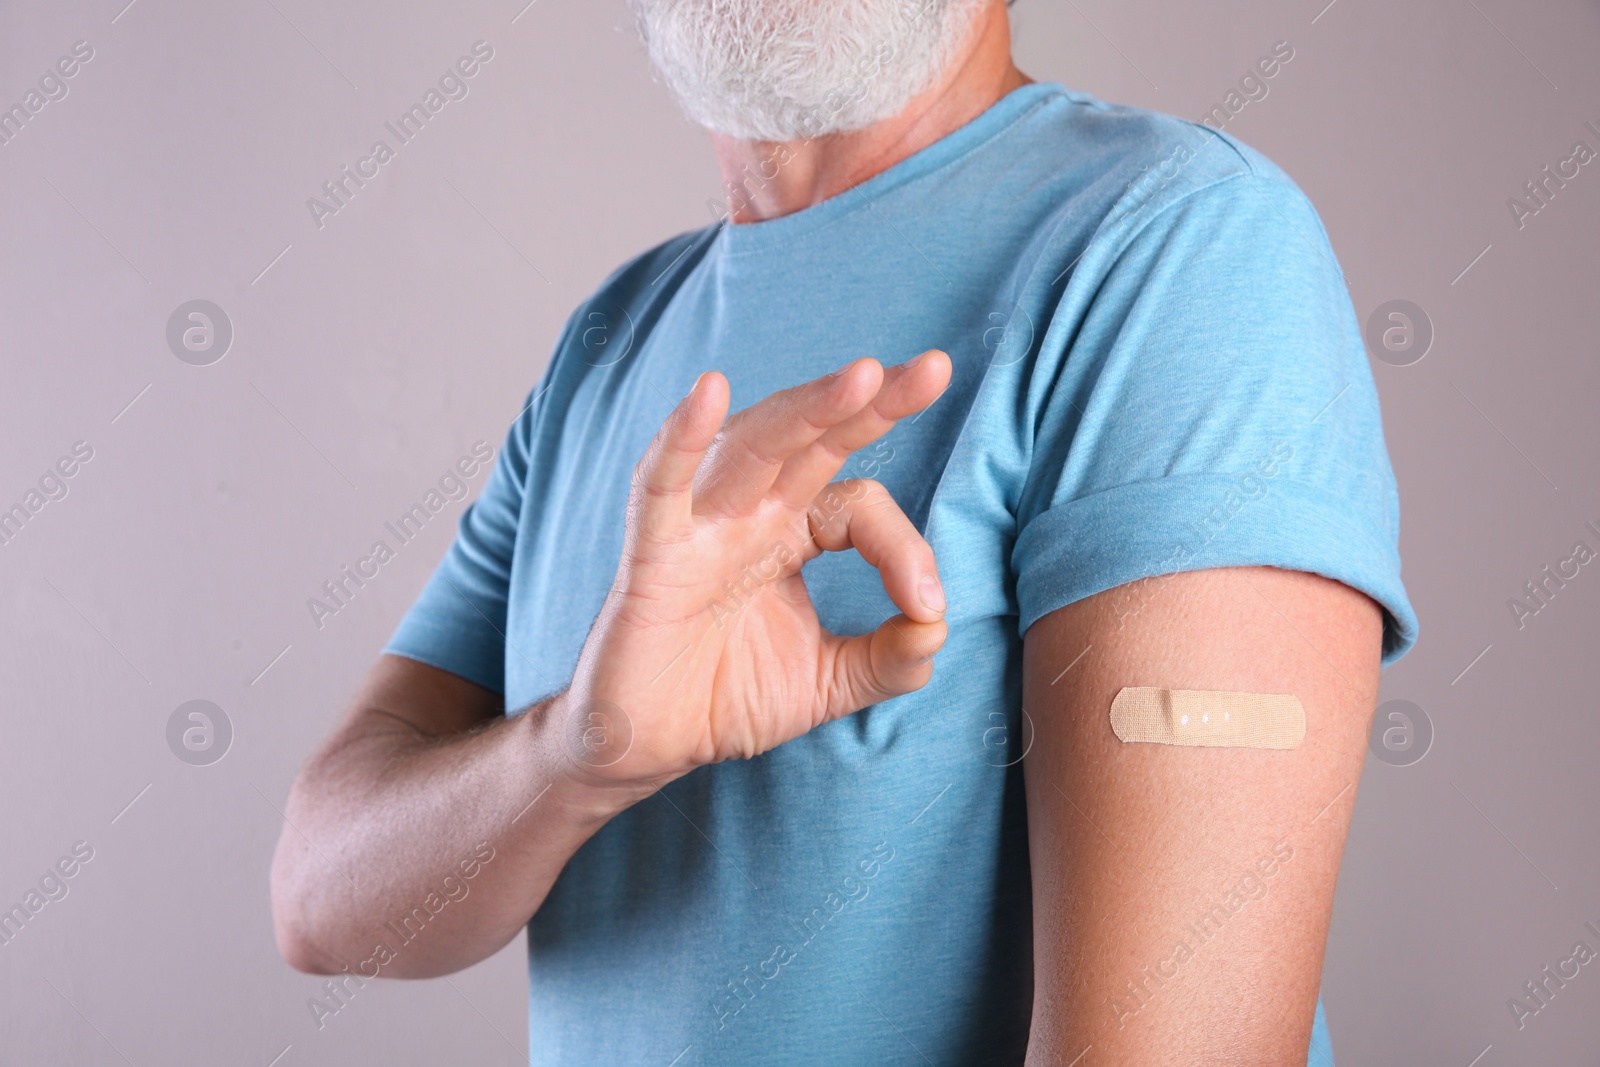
x=755, y=443
x=907, y=389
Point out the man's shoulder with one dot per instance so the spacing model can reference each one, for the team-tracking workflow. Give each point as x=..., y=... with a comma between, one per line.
x=605, y=325
x=655, y=267
x=1134, y=162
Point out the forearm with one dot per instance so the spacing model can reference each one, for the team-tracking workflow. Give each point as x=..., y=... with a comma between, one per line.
x=427, y=772
x=388, y=820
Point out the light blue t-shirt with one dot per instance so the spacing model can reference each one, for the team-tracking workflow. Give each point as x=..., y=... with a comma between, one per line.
x=1157, y=369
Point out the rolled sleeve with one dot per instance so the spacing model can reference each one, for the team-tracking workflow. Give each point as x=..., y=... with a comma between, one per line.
x=1215, y=409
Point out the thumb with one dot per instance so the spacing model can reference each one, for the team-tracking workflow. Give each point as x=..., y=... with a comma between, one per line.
x=894, y=659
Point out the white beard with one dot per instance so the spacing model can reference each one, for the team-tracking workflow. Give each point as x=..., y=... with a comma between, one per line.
x=785, y=70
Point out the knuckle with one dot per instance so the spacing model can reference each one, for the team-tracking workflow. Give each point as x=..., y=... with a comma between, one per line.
x=862, y=489
x=720, y=439
x=759, y=456
x=646, y=490
x=813, y=426
x=869, y=685
x=642, y=484
x=834, y=451
x=881, y=505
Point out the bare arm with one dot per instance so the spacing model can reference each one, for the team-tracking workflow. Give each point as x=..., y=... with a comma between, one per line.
x=1182, y=894
x=422, y=772
x=425, y=777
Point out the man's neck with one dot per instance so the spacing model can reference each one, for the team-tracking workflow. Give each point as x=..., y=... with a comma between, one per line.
x=765, y=179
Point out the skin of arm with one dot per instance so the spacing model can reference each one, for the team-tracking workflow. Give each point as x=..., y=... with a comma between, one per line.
x=1182, y=895
x=425, y=772
x=422, y=771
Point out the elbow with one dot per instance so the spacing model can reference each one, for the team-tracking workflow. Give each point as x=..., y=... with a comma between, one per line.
x=294, y=933
x=294, y=928
x=299, y=951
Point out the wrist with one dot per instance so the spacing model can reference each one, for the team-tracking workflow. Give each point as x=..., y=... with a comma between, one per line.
x=580, y=745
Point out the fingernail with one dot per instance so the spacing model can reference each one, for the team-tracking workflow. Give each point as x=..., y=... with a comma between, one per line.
x=912, y=362
x=931, y=593
x=696, y=385
x=841, y=370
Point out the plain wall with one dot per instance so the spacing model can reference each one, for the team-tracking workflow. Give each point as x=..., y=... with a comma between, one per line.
x=371, y=352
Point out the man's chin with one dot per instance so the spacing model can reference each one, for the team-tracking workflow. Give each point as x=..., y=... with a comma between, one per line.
x=752, y=69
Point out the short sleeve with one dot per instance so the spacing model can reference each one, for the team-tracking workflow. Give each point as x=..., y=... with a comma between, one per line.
x=1215, y=408
x=458, y=621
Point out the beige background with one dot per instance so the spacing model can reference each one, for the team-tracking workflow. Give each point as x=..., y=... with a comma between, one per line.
x=370, y=354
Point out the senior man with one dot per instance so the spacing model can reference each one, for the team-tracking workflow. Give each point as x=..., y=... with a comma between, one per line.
x=672, y=700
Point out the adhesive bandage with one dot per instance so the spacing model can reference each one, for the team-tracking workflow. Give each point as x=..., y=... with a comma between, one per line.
x=1203, y=717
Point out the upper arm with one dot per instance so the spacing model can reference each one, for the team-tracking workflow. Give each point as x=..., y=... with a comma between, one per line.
x=1202, y=876
x=432, y=701
x=401, y=702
